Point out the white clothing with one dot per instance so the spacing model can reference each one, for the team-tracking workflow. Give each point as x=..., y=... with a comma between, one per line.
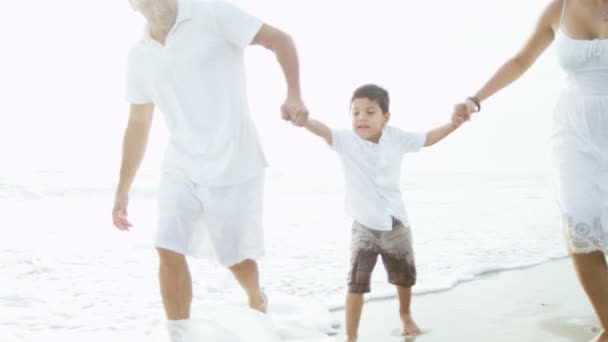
x=197, y=79
x=225, y=222
x=372, y=172
x=580, y=143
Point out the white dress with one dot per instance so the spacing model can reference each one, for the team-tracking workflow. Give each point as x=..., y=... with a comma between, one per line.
x=580, y=143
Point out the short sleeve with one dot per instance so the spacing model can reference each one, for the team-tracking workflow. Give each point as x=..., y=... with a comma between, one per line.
x=136, y=89
x=235, y=25
x=410, y=141
x=341, y=139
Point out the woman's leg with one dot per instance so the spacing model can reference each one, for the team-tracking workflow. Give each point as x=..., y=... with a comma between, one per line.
x=592, y=273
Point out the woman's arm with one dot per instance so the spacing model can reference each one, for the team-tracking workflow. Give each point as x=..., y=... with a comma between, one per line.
x=542, y=36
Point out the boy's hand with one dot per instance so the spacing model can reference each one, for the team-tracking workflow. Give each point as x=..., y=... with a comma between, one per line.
x=119, y=213
x=294, y=110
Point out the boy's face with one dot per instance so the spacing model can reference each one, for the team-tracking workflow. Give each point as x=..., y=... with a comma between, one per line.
x=368, y=119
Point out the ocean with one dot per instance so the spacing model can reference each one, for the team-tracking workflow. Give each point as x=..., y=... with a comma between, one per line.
x=65, y=268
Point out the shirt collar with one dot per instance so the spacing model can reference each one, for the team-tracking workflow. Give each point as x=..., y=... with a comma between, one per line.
x=383, y=136
x=184, y=11
x=381, y=141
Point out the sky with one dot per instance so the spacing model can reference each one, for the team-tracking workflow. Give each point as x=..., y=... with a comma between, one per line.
x=63, y=65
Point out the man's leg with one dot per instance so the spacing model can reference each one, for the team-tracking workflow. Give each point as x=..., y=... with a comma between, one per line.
x=178, y=212
x=234, y=222
x=175, y=284
x=247, y=274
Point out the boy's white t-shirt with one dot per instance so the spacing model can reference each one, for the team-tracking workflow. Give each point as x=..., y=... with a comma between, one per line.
x=372, y=173
x=197, y=79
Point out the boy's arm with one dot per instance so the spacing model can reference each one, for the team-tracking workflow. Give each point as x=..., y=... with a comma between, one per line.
x=437, y=134
x=320, y=129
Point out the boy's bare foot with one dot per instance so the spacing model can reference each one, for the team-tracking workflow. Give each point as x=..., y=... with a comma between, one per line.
x=602, y=337
x=409, y=326
x=260, y=303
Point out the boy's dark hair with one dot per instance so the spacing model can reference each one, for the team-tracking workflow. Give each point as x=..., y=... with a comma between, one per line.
x=373, y=93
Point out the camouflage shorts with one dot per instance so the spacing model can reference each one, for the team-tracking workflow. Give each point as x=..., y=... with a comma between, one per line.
x=395, y=248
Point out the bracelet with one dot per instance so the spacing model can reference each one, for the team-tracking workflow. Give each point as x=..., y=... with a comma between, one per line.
x=476, y=101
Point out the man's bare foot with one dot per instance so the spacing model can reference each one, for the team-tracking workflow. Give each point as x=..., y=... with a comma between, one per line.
x=602, y=337
x=260, y=303
x=409, y=326
x=351, y=339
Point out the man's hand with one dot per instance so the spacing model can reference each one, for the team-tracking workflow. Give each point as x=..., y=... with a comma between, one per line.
x=294, y=110
x=119, y=213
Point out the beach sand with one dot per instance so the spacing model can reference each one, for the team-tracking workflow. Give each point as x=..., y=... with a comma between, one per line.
x=539, y=303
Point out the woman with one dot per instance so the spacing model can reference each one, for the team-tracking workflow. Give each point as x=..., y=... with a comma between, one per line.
x=579, y=141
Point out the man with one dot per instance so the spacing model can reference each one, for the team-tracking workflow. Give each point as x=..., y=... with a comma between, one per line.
x=189, y=64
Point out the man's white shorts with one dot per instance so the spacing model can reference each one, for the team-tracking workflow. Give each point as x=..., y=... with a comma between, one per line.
x=206, y=221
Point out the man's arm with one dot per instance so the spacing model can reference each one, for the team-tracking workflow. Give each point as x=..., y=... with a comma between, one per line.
x=133, y=149
x=437, y=134
x=320, y=129
x=285, y=51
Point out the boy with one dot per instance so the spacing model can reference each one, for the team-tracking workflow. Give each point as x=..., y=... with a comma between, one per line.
x=371, y=157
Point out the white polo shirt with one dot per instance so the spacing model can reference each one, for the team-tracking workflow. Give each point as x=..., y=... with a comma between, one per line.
x=197, y=79
x=372, y=172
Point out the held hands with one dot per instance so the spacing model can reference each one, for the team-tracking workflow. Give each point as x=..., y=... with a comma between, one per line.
x=294, y=110
x=462, y=112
